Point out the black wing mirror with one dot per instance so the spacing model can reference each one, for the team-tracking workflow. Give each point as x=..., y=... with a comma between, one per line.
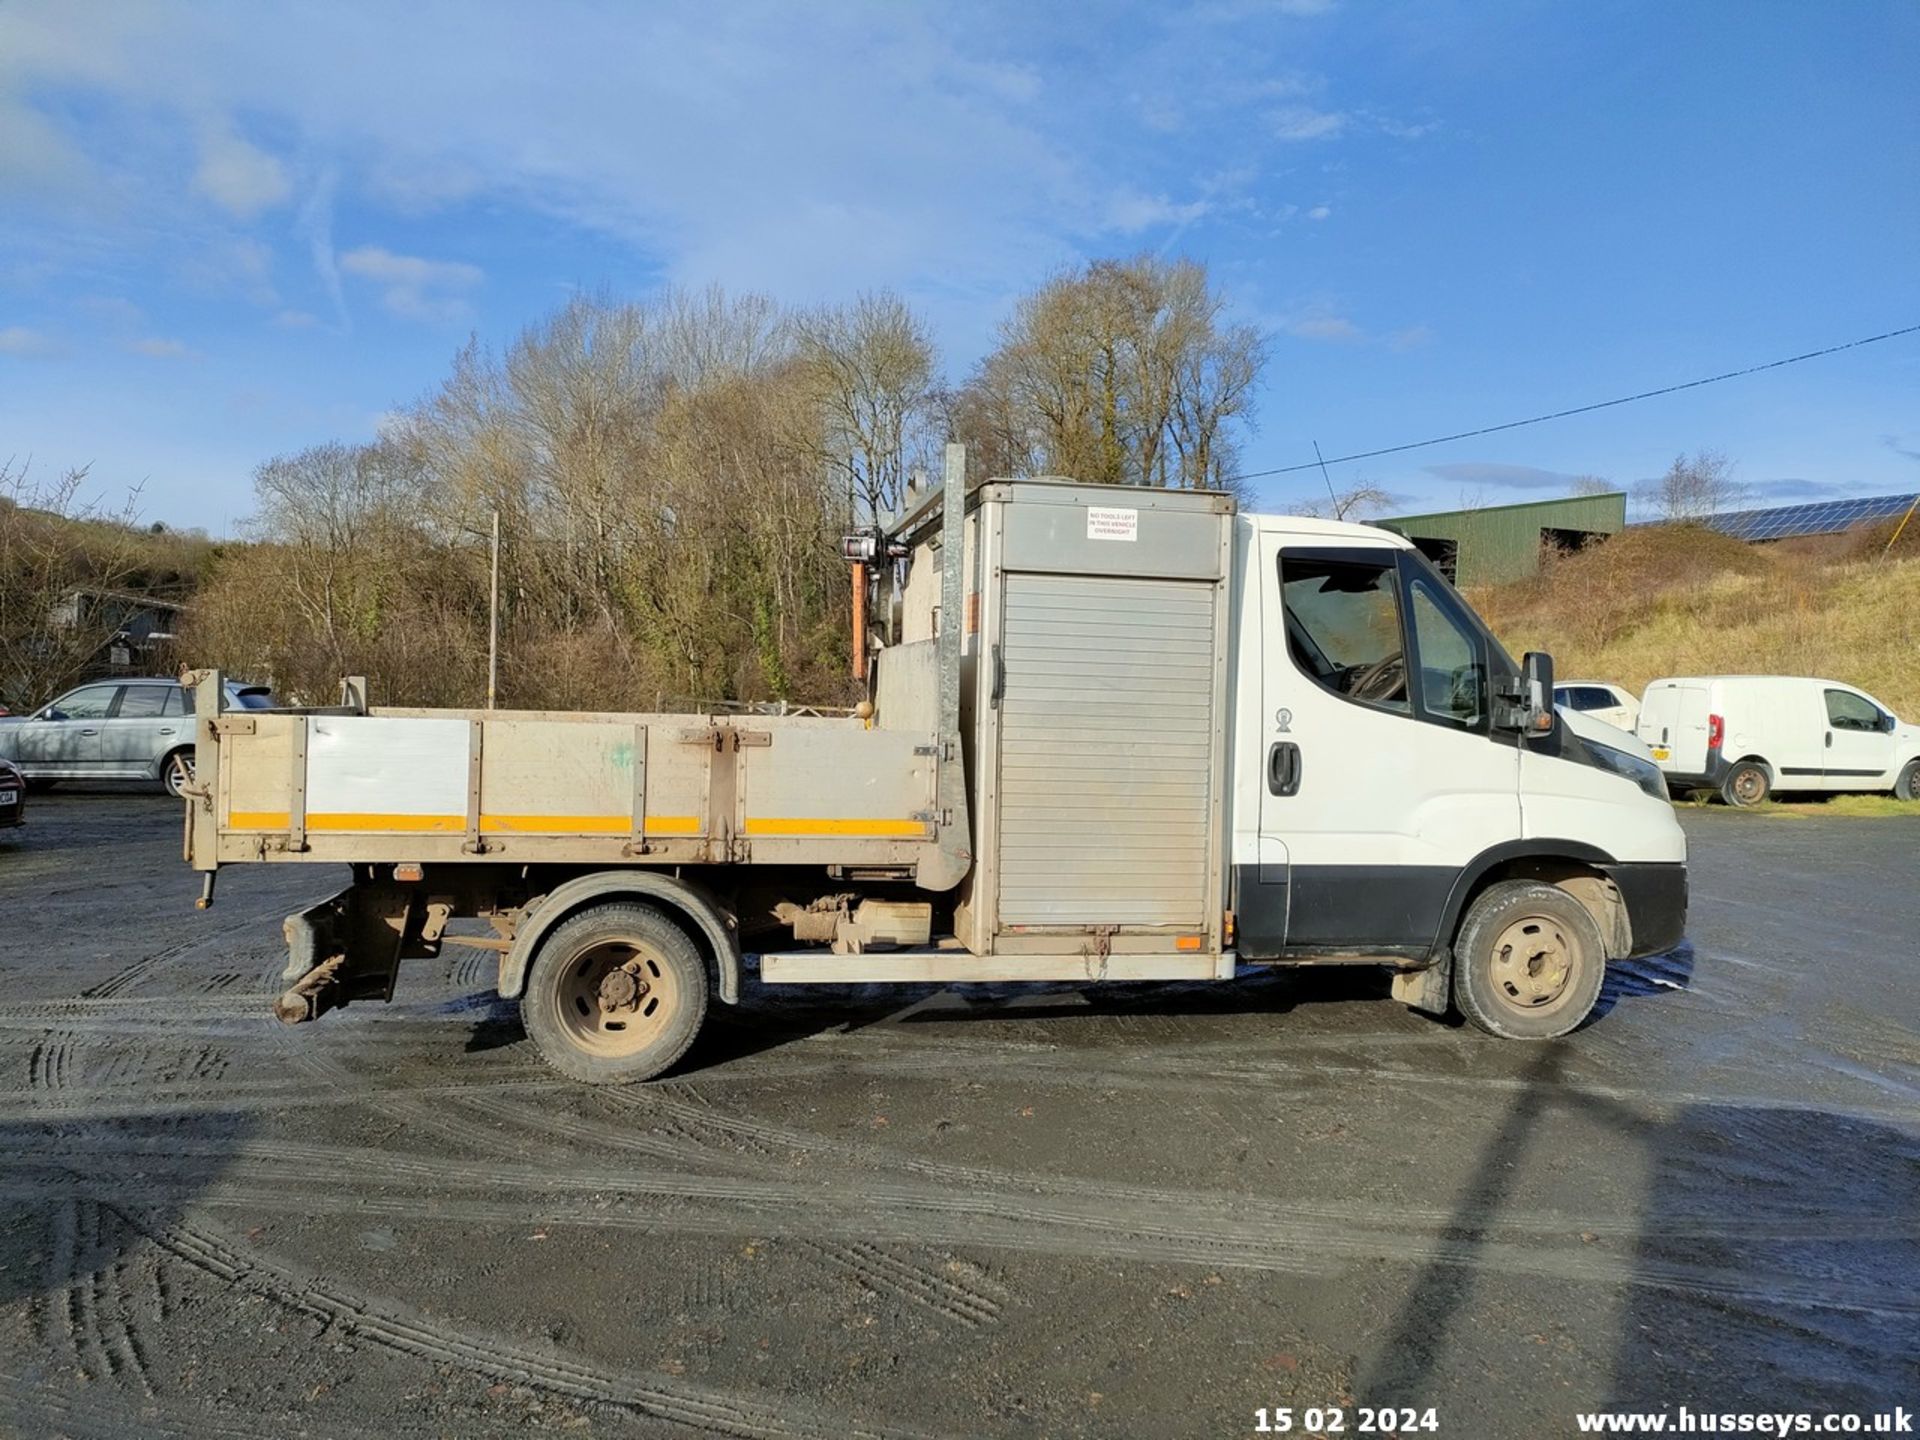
x=1526, y=705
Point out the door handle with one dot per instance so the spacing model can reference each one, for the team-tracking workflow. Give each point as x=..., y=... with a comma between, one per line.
x=1829, y=739
x=166, y=729
x=999, y=680
x=89, y=732
x=1283, y=768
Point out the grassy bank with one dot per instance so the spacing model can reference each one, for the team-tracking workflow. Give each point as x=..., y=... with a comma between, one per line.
x=1682, y=600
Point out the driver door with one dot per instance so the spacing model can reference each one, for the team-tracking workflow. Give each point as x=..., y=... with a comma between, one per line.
x=1381, y=773
x=64, y=737
x=1859, y=745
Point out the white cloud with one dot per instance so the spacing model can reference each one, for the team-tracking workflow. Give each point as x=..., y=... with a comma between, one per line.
x=1410, y=338
x=240, y=178
x=1303, y=122
x=155, y=347
x=36, y=158
x=296, y=319
x=29, y=344
x=1319, y=212
x=1326, y=327
x=1129, y=212
x=415, y=288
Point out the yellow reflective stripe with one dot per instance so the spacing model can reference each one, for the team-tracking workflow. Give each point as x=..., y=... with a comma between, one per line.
x=332, y=820
x=586, y=824
x=551, y=824
x=767, y=825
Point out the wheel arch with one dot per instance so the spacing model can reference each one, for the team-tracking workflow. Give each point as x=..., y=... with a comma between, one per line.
x=166, y=758
x=1573, y=865
x=709, y=924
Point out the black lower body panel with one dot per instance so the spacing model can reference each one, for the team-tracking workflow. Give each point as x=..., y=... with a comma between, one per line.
x=1655, y=893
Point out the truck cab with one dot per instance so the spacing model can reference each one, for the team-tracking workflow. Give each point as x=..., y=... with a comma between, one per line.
x=1387, y=772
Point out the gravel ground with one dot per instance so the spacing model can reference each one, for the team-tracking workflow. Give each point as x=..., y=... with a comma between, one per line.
x=1141, y=1212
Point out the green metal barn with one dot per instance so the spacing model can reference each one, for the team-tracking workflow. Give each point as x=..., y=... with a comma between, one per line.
x=1505, y=542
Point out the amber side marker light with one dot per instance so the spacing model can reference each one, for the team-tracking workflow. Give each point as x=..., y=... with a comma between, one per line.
x=1187, y=942
x=409, y=870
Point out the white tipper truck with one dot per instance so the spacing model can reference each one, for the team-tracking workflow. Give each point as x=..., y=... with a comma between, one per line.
x=1112, y=734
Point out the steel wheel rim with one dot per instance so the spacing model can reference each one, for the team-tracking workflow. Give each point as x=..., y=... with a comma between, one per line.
x=179, y=775
x=1533, y=964
x=593, y=1006
x=1749, y=785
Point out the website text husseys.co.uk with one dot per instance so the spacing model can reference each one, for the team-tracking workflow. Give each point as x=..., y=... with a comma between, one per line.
x=1687, y=1421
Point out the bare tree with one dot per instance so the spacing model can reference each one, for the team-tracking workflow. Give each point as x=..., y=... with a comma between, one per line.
x=62, y=561
x=1356, y=502
x=1122, y=372
x=1694, y=486
x=1591, y=485
x=872, y=365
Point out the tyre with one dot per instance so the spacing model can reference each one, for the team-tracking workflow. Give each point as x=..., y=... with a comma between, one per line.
x=1907, y=787
x=176, y=773
x=1748, y=783
x=615, y=994
x=1528, y=961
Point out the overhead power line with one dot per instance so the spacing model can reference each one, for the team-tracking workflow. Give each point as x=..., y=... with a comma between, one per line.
x=1318, y=463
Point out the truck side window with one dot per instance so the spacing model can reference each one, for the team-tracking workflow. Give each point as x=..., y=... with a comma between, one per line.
x=1343, y=627
x=1453, y=674
x=1848, y=711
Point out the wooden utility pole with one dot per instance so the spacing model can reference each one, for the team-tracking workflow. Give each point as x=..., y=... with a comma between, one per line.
x=493, y=620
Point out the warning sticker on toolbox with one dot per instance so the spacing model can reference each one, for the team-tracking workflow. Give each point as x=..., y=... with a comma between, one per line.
x=1107, y=523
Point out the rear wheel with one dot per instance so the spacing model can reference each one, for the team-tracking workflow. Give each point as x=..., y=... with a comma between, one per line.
x=1528, y=961
x=1907, y=787
x=1748, y=783
x=176, y=773
x=615, y=994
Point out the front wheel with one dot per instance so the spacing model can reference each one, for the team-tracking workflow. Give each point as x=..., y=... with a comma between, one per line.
x=1748, y=783
x=615, y=994
x=1907, y=787
x=1528, y=961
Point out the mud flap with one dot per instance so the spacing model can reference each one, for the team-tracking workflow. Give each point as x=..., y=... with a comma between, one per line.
x=349, y=948
x=1430, y=989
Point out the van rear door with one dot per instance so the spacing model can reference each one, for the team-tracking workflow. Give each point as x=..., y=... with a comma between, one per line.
x=1673, y=723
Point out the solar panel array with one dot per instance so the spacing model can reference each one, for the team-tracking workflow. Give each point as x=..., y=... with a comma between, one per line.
x=1823, y=517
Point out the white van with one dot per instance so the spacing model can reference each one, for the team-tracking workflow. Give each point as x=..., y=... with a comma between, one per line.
x=1750, y=736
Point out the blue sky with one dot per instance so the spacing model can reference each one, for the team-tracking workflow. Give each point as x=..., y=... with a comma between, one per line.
x=228, y=231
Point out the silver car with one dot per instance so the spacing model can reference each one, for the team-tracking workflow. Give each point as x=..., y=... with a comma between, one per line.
x=115, y=730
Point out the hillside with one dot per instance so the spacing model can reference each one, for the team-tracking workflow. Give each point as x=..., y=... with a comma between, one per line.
x=1682, y=600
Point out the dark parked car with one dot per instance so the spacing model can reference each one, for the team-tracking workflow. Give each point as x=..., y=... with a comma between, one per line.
x=115, y=730
x=13, y=795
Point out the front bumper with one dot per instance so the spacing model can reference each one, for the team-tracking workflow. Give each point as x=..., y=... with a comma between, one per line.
x=1655, y=893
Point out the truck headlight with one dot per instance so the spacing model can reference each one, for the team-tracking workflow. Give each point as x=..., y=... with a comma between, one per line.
x=1643, y=773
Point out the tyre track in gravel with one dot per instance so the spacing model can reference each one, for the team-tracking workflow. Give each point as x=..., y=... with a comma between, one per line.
x=967, y=1302
x=398, y=1328
x=139, y=971
x=85, y=1311
x=307, y=1180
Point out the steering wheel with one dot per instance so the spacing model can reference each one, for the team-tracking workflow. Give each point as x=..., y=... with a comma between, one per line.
x=1384, y=679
